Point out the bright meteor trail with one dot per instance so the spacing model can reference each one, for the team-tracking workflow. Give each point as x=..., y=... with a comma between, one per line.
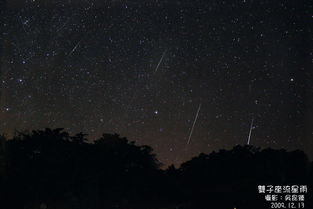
x=251, y=127
x=157, y=67
x=194, y=122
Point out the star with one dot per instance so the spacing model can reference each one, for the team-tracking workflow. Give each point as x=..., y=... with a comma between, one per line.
x=97, y=70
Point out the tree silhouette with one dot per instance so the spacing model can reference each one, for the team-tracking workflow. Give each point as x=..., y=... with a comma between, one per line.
x=51, y=169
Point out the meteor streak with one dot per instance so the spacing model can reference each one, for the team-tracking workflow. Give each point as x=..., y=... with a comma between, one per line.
x=193, y=125
x=74, y=48
x=251, y=127
x=157, y=67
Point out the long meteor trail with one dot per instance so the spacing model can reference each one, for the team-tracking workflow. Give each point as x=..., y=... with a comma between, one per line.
x=251, y=127
x=194, y=123
x=157, y=67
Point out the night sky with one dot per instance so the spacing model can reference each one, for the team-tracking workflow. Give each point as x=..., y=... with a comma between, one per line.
x=144, y=69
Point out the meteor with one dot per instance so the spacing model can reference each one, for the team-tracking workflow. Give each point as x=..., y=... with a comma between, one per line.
x=157, y=67
x=251, y=127
x=194, y=122
x=74, y=48
x=58, y=29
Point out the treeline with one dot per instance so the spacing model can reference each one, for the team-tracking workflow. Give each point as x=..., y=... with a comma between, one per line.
x=52, y=169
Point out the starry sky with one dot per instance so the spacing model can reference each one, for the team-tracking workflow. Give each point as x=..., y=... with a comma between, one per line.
x=181, y=76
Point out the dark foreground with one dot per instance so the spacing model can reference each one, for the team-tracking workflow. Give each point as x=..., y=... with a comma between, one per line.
x=51, y=169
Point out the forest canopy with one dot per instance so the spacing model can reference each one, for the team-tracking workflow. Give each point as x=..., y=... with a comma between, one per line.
x=53, y=168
